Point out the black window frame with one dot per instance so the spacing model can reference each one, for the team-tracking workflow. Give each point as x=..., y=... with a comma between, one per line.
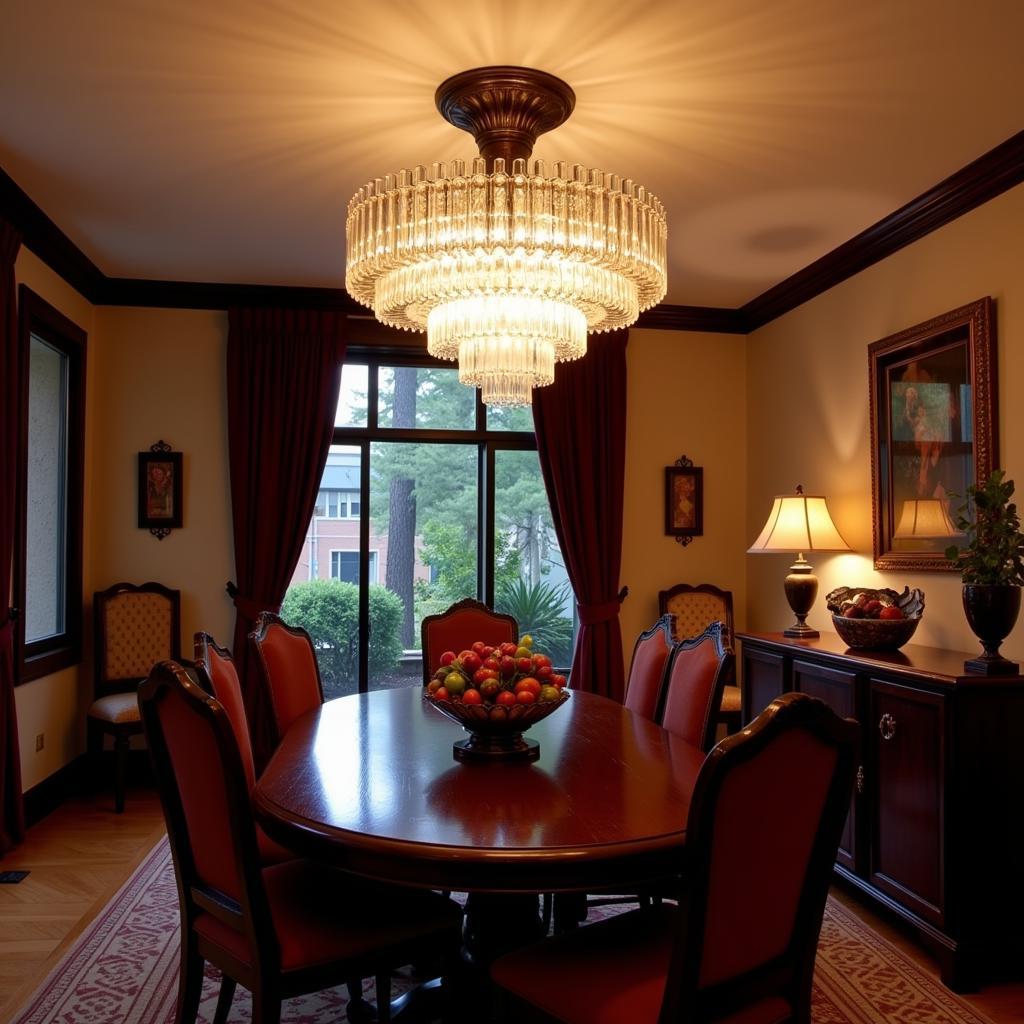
x=486, y=442
x=36, y=317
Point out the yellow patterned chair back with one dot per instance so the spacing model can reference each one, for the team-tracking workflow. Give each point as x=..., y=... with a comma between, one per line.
x=136, y=626
x=695, y=608
x=138, y=629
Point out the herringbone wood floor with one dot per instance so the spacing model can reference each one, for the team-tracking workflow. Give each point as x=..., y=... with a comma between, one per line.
x=81, y=854
x=78, y=856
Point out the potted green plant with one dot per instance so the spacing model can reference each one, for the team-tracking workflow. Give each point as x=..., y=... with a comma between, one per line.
x=991, y=567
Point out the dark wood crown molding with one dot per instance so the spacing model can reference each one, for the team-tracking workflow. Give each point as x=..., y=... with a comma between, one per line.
x=48, y=242
x=990, y=175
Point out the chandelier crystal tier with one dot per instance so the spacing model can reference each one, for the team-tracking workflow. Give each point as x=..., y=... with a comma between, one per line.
x=507, y=263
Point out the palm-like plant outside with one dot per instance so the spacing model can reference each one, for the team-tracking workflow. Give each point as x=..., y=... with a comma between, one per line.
x=539, y=608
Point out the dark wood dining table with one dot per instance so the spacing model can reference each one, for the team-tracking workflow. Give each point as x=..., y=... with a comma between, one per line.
x=368, y=783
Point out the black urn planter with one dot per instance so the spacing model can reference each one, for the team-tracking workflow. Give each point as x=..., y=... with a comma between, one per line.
x=991, y=611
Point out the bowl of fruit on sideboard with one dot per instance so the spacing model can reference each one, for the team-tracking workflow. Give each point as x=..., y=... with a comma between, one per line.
x=496, y=692
x=875, y=620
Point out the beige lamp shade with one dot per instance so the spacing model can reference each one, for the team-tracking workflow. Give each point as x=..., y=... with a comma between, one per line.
x=799, y=522
x=925, y=517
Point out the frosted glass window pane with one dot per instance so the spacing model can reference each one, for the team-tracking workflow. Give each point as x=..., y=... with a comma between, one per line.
x=351, y=411
x=45, y=541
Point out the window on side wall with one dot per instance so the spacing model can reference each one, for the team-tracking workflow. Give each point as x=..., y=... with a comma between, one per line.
x=48, y=553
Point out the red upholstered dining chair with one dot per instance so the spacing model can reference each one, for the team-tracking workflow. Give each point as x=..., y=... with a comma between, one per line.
x=460, y=625
x=696, y=673
x=647, y=669
x=215, y=669
x=135, y=626
x=279, y=931
x=695, y=608
x=289, y=668
x=740, y=946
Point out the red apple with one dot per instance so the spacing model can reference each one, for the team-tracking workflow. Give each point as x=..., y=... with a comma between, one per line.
x=478, y=648
x=470, y=661
x=892, y=612
x=540, y=660
x=492, y=663
x=558, y=680
x=508, y=648
x=508, y=667
x=524, y=664
x=544, y=673
x=447, y=658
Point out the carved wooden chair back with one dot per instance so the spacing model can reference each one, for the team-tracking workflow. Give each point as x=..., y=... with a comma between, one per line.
x=647, y=669
x=695, y=608
x=280, y=930
x=459, y=626
x=696, y=674
x=219, y=676
x=287, y=660
x=751, y=924
x=741, y=944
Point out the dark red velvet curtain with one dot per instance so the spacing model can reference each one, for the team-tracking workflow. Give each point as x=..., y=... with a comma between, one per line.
x=580, y=422
x=284, y=371
x=12, y=808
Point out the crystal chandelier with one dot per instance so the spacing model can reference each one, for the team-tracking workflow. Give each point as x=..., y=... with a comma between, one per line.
x=506, y=263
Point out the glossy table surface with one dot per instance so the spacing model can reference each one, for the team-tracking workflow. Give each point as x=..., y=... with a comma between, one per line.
x=369, y=783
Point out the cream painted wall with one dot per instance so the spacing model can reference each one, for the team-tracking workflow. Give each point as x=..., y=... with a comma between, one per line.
x=807, y=414
x=55, y=705
x=151, y=374
x=160, y=375
x=685, y=396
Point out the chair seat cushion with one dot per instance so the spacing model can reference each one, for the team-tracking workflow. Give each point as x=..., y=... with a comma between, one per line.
x=323, y=916
x=612, y=972
x=116, y=707
x=731, y=699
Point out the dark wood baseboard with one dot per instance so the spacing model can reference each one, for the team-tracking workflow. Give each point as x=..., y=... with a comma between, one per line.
x=78, y=777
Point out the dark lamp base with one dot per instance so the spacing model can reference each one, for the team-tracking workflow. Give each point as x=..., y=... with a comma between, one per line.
x=801, y=632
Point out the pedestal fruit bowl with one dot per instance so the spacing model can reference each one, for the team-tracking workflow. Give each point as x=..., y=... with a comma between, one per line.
x=496, y=692
x=875, y=619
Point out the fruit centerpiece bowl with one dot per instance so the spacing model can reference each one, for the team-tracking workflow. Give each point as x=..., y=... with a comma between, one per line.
x=875, y=620
x=496, y=692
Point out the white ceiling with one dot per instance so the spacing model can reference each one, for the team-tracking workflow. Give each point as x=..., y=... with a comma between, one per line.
x=220, y=141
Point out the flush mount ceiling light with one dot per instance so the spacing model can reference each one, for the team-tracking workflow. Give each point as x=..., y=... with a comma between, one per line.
x=505, y=265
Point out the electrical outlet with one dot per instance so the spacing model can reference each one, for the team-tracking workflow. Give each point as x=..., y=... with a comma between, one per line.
x=39, y=742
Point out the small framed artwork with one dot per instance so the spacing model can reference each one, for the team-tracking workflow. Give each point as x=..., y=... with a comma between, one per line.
x=684, y=500
x=160, y=490
x=933, y=432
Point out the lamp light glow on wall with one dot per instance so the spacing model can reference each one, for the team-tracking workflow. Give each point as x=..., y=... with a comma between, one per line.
x=799, y=522
x=506, y=264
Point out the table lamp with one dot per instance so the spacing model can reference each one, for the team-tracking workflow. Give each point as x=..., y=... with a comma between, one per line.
x=799, y=522
x=924, y=518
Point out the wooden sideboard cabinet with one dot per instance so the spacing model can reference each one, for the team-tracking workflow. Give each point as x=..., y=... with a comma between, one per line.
x=936, y=825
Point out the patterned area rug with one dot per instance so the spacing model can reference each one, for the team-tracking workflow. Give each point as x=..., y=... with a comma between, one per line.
x=124, y=968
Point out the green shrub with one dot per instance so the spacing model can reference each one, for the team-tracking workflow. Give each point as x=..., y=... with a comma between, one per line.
x=329, y=611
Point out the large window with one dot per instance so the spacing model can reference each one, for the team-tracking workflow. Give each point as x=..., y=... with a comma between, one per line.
x=48, y=572
x=443, y=499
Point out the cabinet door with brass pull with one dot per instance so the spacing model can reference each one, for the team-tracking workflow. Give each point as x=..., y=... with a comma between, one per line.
x=838, y=689
x=905, y=775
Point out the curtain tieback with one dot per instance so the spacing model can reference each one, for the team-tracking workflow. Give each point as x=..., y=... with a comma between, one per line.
x=248, y=607
x=592, y=614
